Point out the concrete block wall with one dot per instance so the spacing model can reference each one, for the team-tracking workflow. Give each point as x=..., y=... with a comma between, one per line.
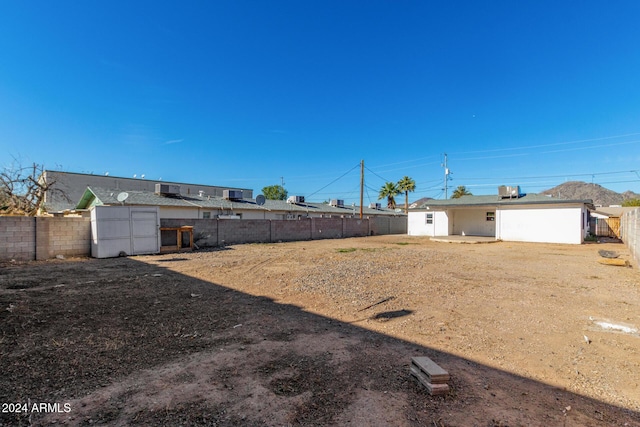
x=291, y=231
x=243, y=231
x=355, y=227
x=388, y=225
x=630, y=232
x=65, y=236
x=397, y=225
x=217, y=232
x=28, y=238
x=326, y=228
x=17, y=238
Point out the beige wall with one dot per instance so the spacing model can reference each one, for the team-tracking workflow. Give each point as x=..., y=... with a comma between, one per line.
x=630, y=232
x=28, y=238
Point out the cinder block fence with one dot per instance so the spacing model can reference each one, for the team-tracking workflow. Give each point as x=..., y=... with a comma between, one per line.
x=630, y=232
x=27, y=238
x=215, y=232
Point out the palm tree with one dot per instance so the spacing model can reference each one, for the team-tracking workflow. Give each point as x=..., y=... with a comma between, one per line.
x=389, y=190
x=405, y=185
x=460, y=191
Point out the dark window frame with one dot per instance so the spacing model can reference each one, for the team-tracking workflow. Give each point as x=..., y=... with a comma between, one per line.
x=428, y=218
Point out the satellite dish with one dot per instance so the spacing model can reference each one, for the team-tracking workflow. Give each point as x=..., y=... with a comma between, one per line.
x=260, y=200
x=122, y=196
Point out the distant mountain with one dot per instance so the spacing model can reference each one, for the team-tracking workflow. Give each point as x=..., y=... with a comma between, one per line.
x=583, y=190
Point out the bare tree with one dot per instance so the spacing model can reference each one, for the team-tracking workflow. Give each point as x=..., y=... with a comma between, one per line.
x=22, y=190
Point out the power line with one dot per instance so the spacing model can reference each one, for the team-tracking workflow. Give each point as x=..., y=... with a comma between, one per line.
x=554, y=176
x=589, y=147
x=549, y=145
x=517, y=148
x=379, y=169
x=337, y=179
x=384, y=179
x=409, y=167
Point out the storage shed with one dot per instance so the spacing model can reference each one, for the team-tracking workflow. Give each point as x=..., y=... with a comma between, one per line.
x=124, y=230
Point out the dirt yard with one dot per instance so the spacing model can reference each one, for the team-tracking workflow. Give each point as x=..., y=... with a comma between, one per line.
x=322, y=333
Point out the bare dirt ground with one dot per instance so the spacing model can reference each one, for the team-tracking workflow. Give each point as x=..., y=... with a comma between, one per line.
x=290, y=334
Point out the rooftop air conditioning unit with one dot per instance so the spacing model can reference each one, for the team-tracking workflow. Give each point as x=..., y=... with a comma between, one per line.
x=337, y=203
x=167, y=189
x=509, y=192
x=295, y=199
x=232, y=194
x=376, y=206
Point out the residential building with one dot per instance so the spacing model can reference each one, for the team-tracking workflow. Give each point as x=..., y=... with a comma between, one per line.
x=69, y=187
x=512, y=217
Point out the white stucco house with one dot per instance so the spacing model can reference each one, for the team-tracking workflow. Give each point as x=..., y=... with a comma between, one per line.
x=519, y=218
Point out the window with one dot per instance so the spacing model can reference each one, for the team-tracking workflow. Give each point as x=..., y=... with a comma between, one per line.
x=429, y=218
x=206, y=215
x=491, y=216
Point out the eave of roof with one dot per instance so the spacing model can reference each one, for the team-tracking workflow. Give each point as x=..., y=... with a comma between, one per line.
x=146, y=198
x=495, y=201
x=614, y=212
x=87, y=197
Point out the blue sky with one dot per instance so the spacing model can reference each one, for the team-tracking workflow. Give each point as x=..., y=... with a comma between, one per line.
x=241, y=93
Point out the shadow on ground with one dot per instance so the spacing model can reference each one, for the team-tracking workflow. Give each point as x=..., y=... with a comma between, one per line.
x=122, y=342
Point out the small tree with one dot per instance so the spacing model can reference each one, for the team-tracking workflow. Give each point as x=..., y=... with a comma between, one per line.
x=390, y=191
x=460, y=191
x=631, y=202
x=405, y=185
x=22, y=190
x=275, y=192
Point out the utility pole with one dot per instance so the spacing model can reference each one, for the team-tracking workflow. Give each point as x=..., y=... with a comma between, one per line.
x=447, y=172
x=282, y=181
x=361, y=186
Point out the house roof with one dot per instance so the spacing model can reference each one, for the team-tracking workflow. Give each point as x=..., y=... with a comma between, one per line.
x=94, y=196
x=495, y=201
x=613, y=211
x=68, y=187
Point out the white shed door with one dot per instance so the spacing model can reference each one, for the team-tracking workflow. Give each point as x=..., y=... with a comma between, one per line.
x=145, y=230
x=131, y=230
